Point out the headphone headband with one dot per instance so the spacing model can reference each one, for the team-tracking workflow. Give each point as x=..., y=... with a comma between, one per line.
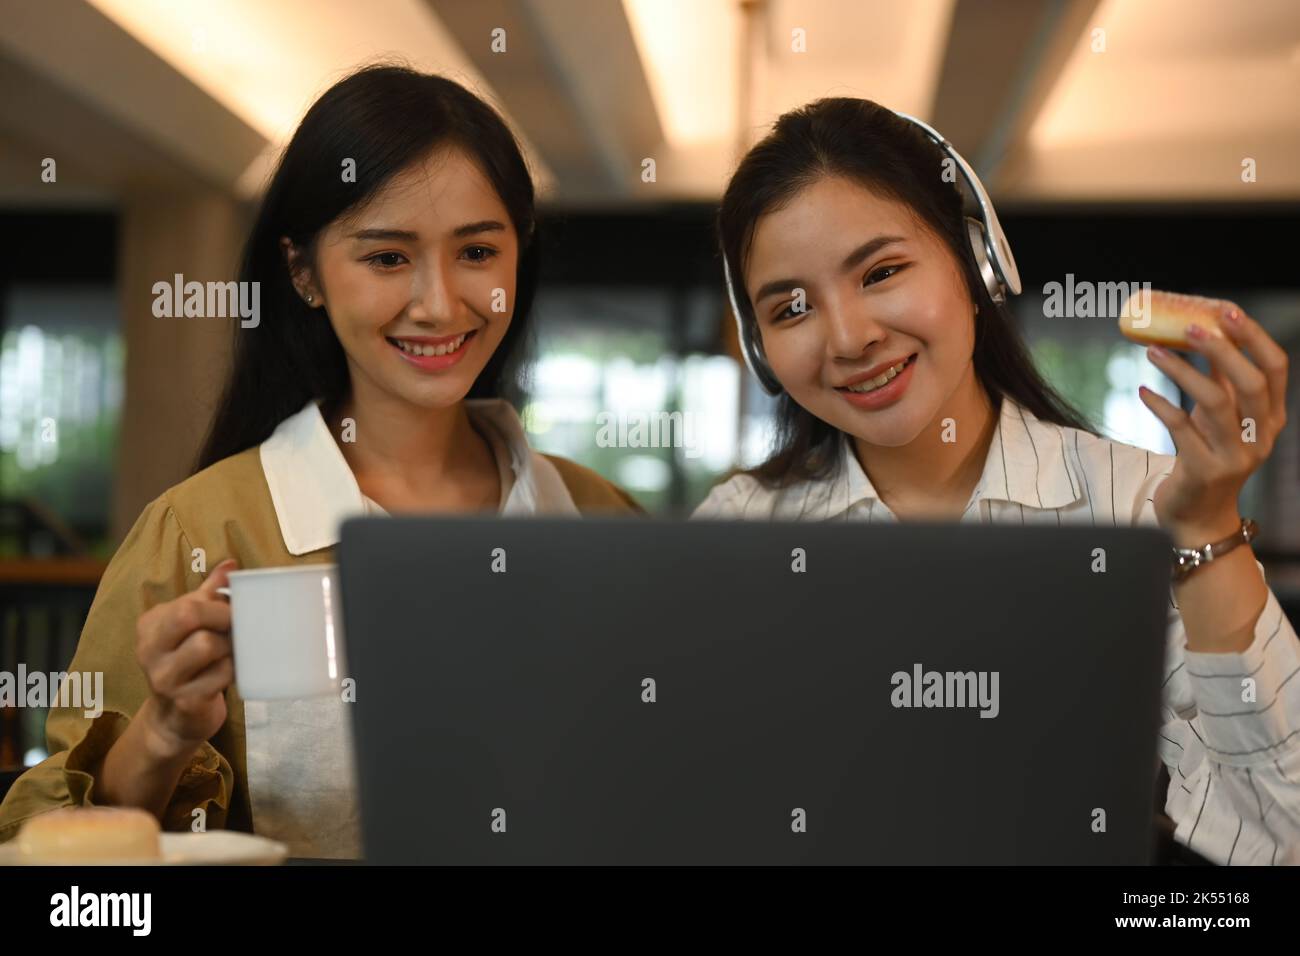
x=988, y=245
x=995, y=240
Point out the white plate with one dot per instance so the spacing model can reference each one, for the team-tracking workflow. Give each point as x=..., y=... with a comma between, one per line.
x=215, y=848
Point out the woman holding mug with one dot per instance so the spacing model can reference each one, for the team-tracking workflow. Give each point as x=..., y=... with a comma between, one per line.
x=397, y=255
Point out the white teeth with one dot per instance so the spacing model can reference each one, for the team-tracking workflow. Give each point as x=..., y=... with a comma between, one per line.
x=413, y=348
x=882, y=379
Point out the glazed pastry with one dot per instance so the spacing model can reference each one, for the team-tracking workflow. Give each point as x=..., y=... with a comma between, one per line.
x=90, y=833
x=1165, y=316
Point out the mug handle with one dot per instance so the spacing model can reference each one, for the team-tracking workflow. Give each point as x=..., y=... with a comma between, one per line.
x=225, y=591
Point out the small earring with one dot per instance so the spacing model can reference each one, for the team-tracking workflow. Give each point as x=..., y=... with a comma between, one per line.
x=309, y=300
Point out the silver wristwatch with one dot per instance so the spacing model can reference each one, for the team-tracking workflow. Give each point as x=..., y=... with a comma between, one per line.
x=1187, y=560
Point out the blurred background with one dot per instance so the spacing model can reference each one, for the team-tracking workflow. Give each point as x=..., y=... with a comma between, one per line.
x=1122, y=140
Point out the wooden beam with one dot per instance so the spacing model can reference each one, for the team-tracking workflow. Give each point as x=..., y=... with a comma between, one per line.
x=572, y=80
x=1003, y=59
x=87, y=59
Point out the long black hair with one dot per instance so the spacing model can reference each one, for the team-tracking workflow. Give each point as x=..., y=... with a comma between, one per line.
x=384, y=117
x=867, y=143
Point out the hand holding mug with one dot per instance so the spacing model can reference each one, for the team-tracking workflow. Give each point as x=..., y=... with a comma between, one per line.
x=184, y=648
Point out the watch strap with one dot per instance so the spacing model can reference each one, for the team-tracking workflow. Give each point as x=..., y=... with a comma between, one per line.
x=1187, y=560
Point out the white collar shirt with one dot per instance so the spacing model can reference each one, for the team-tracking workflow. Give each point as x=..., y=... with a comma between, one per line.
x=313, y=488
x=301, y=767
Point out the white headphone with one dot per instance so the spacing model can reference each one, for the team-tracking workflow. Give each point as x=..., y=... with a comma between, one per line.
x=987, y=242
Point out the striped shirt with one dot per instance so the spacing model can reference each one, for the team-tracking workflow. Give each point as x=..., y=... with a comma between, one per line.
x=1234, y=767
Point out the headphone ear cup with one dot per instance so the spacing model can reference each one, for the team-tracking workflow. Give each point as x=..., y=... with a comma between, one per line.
x=753, y=346
x=978, y=239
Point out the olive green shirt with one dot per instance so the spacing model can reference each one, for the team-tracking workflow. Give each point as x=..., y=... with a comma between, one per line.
x=229, y=512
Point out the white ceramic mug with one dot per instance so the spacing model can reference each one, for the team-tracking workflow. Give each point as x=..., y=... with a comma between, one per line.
x=287, y=631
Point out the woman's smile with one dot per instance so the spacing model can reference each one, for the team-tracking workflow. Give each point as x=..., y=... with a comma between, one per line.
x=877, y=391
x=432, y=353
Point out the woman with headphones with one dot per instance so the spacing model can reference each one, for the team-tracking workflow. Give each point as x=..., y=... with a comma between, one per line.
x=874, y=307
